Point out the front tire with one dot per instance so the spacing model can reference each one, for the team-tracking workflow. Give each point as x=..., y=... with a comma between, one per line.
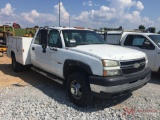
x=17, y=67
x=78, y=89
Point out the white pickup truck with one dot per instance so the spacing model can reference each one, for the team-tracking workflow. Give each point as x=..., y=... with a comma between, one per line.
x=80, y=59
x=148, y=43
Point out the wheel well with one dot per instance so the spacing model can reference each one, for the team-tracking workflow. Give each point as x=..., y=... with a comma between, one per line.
x=69, y=69
x=12, y=54
x=159, y=70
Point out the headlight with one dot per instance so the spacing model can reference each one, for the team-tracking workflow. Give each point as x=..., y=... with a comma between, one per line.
x=146, y=59
x=111, y=72
x=110, y=63
x=111, y=68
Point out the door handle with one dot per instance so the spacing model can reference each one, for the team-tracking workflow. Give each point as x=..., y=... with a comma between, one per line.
x=33, y=48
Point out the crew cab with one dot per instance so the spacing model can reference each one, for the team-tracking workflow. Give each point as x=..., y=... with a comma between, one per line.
x=80, y=59
x=148, y=43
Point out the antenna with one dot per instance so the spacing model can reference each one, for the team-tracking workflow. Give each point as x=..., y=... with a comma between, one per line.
x=59, y=13
x=69, y=21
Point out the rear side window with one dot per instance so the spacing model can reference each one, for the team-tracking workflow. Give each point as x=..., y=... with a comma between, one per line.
x=37, y=39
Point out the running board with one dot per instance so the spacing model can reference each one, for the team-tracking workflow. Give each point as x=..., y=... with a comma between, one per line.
x=50, y=76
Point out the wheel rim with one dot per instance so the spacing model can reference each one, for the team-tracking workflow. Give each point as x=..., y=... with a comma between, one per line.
x=75, y=89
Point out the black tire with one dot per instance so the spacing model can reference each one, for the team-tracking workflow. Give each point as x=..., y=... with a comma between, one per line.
x=78, y=89
x=17, y=67
x=26, y=67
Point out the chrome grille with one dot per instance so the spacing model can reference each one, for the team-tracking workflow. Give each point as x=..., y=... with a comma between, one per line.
x=129, y=67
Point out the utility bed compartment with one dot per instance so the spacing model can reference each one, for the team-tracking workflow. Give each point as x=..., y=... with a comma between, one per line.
x=113, y=37
x=20, y=47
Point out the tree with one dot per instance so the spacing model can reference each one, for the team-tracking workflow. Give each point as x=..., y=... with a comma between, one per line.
x=141, y=27
x=36, y=26
x=152, y=29
x=120, y=28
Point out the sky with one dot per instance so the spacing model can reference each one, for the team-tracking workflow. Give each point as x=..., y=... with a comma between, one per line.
x=87, y=13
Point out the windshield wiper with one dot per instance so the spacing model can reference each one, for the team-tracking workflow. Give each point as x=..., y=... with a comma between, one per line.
x=98, y=43
x=73, y=45
x=82, y=44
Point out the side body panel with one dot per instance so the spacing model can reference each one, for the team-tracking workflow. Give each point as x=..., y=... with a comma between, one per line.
x=20, y=47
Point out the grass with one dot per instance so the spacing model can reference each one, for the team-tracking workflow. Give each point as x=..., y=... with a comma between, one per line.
x=19, y=31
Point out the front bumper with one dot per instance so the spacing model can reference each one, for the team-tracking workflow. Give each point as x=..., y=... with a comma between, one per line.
x=118, y=85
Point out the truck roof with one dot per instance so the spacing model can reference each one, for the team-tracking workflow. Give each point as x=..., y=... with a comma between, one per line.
x=140, y=33
x=123, y=32
x=70, y=28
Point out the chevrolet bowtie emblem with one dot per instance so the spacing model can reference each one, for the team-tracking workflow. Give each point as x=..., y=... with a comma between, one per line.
x=136, y=65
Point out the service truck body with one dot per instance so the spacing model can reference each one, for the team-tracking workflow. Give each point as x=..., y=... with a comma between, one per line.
x=80, y=59
x=21, y=47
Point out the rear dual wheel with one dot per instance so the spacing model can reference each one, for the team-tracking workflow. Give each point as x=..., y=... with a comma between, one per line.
x=17, y=67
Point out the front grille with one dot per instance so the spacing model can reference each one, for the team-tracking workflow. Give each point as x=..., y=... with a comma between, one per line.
x=129, y=67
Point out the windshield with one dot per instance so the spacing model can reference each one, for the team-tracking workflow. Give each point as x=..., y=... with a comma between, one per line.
x=81, y=37
x=156, y=39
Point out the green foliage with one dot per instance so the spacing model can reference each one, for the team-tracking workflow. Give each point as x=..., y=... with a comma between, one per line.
x=19, y=31
x=36, y=26
x=141, y=27
x=152, y=29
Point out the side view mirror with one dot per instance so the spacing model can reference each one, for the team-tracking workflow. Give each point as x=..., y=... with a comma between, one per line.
x=44, y=39
x=148, y=45
x=44, y=48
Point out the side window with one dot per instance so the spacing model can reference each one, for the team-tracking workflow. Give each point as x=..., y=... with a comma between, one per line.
x=54, y=39
x=37, y=39
x=138, y=41
x=142, y=42
x=148, y=45
x=129, y=40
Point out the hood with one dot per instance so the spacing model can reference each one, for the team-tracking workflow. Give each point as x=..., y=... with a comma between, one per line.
x=113, y=52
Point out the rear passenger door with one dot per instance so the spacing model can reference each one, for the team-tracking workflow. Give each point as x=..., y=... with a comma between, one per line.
x=139, y=42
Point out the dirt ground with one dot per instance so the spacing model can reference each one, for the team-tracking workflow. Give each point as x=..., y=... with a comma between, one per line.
x=10, y=78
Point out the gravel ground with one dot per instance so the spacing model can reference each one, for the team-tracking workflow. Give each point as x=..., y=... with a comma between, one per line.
x=31, y=96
